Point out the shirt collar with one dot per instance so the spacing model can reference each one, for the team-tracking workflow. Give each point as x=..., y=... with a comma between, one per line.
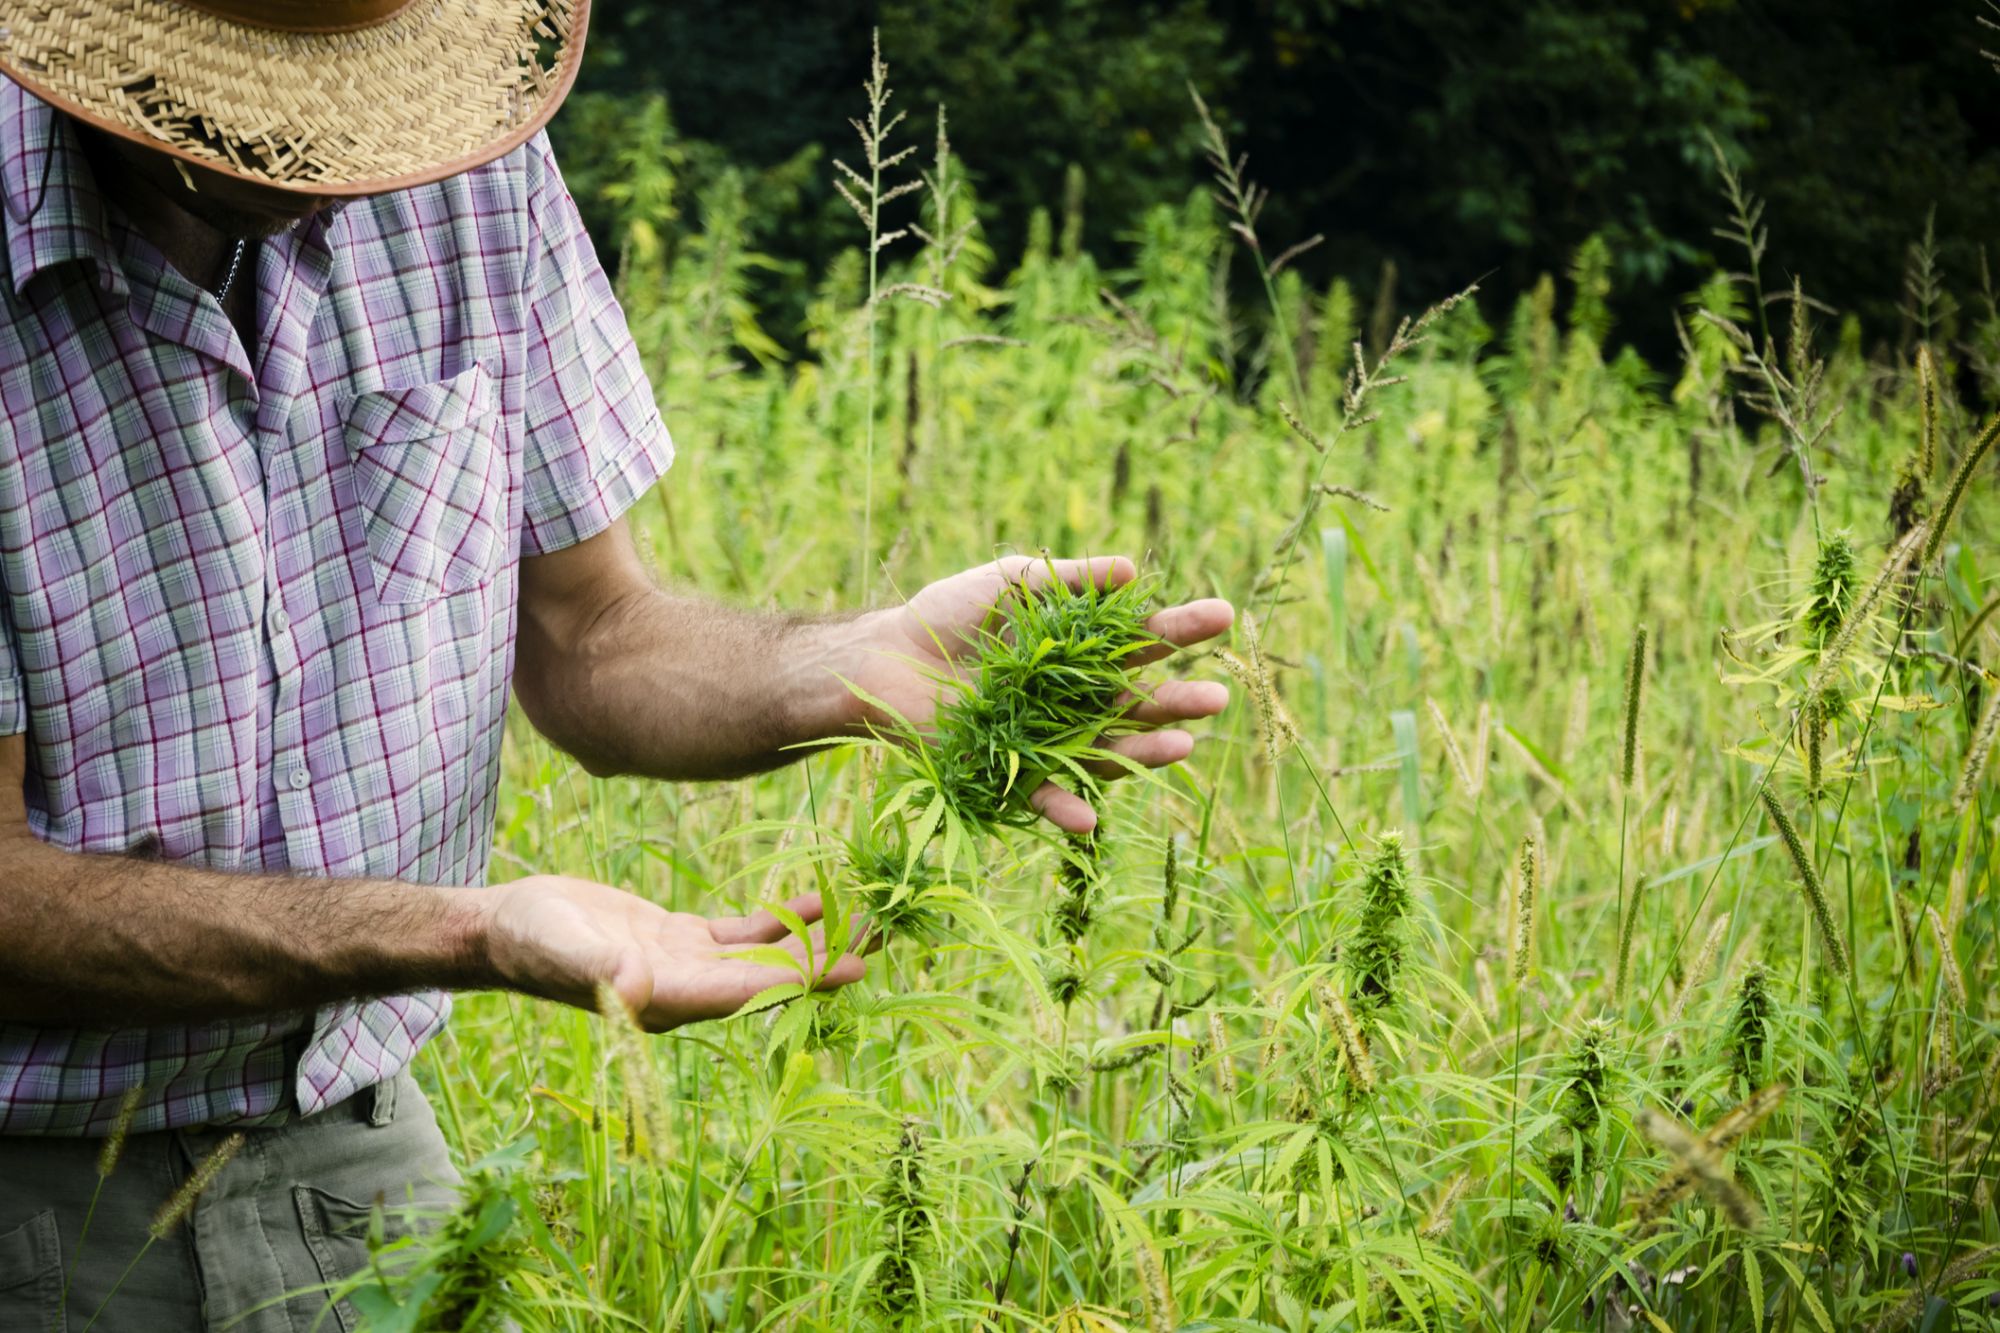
x=54, y=213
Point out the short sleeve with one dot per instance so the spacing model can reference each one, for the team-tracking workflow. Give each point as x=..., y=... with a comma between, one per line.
x=594, y=439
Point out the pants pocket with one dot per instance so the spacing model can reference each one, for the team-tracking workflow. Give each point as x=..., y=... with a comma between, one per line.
x=31, y=1276
x=343, y=1237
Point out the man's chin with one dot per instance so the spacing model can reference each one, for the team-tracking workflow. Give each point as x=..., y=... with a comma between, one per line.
x=248, y=224
x=260, y=226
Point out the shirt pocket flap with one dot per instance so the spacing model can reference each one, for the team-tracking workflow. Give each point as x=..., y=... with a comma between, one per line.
x=390, y=416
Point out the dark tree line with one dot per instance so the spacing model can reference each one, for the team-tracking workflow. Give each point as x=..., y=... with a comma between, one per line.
x=1455, y=140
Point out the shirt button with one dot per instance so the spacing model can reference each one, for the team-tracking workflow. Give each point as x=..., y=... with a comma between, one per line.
x=280, y=622
x=299, y=779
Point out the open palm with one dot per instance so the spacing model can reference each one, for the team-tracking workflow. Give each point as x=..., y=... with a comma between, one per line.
x=561, y=938
x=907, y=649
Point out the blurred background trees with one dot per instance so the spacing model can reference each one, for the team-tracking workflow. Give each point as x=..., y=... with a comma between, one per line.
x=1451, y=141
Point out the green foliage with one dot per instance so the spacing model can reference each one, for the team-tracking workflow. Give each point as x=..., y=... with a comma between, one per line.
x=1746, y=1038
x=895, y=885
x=473, y=1272
x=1832, y=587
x=1042, y=694
x=897, y=1290
x=1665, y=1096
x=1587, y=1072
x=1373, y=953
x=1078, y=873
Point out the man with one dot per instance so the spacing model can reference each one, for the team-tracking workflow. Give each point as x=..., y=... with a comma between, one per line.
x=319, y=423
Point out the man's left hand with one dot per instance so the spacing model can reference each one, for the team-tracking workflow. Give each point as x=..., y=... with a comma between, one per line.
x=900, y=653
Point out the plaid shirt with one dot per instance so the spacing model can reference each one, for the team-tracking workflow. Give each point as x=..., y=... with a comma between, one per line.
x=257, y=611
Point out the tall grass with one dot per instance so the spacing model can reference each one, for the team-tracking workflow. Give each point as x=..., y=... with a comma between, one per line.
x=1585, y=1048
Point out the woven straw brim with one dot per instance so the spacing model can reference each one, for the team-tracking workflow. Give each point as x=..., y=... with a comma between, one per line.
x=439, y=88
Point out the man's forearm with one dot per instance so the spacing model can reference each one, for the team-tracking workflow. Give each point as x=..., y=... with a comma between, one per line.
x=103, y=941
x=682, y=688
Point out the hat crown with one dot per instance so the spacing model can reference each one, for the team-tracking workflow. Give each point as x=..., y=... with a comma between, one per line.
x=303, y=15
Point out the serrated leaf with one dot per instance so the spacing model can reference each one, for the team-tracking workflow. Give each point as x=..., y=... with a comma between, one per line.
x=770, y=995
x=1753, y=1277
x=1816, y=1309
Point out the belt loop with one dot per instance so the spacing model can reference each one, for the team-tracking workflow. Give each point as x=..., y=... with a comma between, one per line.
x=384, y=1108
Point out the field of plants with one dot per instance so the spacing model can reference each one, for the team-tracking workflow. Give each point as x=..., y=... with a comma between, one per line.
x=1584, y=918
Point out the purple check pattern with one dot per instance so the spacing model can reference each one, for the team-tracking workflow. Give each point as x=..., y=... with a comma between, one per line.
x=257, y=607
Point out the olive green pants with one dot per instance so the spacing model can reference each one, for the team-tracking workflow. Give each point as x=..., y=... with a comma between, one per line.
x=286, y=1219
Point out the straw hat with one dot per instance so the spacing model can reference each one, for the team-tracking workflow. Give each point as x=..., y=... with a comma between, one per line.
x=324, y=97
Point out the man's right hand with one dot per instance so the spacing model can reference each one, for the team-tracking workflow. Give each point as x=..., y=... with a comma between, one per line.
x=562, y=938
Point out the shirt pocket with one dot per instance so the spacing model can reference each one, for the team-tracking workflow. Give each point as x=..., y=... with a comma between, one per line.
x=429, y=480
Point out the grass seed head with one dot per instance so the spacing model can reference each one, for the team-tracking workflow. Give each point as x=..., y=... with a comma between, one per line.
x=1274, y=722
x=1685, y=1175
x=1154, y=1293
x=1927, y=411
x=1961, y=478
x=1439, y=1220
x=1353, y=1042
x=1225, y=1062
x=1635, y=683
x=1451, y=750
x=1529, y=869
x=182, y=1201
x=121, y=1126
x=1948, y=968
x=626, y=1047
x=1809, y=880
x=1977, y=752
x=1700, y=1163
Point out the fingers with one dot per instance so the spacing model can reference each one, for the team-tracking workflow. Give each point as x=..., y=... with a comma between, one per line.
x=1179, y=701
x=851, y=968
x=716, y=985
x=1150, y=749
x=1037, y=572
x=1190, y=623
x=1065, y=809
x=761, y=927
x=739, y=932
x=751, y=979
